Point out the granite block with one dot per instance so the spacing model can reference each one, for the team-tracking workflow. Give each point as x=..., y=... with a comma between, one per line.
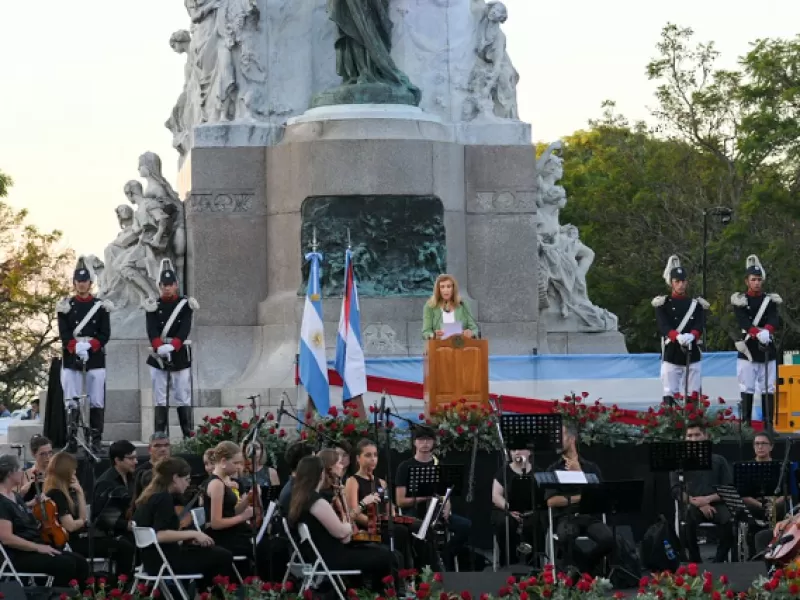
x=123, y=406
x=122, y=365
x=235, y=168
x=283, y=255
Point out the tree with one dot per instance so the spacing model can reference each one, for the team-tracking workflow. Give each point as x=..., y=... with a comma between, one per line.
x=33, y=277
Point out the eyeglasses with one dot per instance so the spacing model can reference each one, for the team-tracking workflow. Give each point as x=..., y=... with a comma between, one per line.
x=159, y=445
x=761, y=444
x=44, y=454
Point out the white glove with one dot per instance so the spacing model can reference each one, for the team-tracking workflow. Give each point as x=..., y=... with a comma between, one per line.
x=82, y=347
x=166, y=350
x=685, y=339
x=83, y=355
x=764, y=337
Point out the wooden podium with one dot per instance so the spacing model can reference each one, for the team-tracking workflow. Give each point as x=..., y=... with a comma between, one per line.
x=456, y=368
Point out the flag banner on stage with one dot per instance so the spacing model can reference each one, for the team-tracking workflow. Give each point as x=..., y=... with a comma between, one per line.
x=313, y=365
x=349, y=361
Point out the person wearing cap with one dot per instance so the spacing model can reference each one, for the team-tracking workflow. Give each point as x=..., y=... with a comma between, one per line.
x=424, y=441
x=757, y=316
x=84, y=327
x=681, y=320
x=169, y=321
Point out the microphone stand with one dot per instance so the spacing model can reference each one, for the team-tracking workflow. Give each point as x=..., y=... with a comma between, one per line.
x=302, y=423
x=782, y=489
x=505, y=460
x=389, y=489
x=251, y=450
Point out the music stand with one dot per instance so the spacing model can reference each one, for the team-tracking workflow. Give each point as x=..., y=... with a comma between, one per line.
x=756, y=479
x=270, y=493
x=540, y=432
x=612, y=498
x=431, y=480
x=679, y=457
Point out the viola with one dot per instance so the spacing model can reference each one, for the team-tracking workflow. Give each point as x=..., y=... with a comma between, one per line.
x=373, y=532
x=254, y=497
x=46, y=512
x=785, y=545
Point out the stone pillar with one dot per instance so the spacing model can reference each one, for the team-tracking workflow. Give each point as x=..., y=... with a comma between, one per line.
x=501, y=244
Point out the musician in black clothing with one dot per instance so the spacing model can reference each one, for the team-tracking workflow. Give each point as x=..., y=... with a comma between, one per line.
x=84, y=327
x=569, y=523
x=680, y=320
x=42, y=450
x=159, y=449
x=502, y=509
x=703, y=503
x=62, y=487
x=757, y=316
x=296, y=452
x=20, y=533
x=115, y=490
x=156, y=509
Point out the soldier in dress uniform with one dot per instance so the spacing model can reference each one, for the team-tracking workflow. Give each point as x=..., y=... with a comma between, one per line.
x=85, y=328
x=169, y=320
x=680, y=321
x=757, y=316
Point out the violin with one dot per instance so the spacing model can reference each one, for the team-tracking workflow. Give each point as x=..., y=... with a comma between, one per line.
x=372, y=533
x=254, y=497
x=46, y=512
x=785, y=545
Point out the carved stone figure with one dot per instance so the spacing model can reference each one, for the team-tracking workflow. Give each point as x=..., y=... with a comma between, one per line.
x=363, y=57
x=151, y=228
x=223, y=60
x=493, y=82
x=564, y=259
x=180, y=121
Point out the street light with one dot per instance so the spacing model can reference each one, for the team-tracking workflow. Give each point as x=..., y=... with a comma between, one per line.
x=725, y=215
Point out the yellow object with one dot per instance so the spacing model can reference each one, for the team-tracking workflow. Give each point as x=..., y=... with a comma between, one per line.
x=788, y=400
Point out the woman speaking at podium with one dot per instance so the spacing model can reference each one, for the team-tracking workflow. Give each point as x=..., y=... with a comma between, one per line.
x=445, y=306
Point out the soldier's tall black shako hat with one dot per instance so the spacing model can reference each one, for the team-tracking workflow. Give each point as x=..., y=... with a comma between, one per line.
x=674, y=270
x=82, y=272
x=753, y=267
x=167, y=275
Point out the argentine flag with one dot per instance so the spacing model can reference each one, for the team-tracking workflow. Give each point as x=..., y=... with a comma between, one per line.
x=349, y=352
x=313, y=365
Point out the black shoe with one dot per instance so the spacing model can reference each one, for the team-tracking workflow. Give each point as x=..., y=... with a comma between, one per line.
x=96, y=422
x=668, y=400
x=747, y=408
x=767, y=408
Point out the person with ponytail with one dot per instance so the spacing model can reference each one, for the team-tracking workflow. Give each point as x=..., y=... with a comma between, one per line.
x=155, y=508
x=331, y=536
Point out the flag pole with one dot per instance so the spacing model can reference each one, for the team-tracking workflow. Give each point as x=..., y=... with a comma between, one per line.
x=311, y=408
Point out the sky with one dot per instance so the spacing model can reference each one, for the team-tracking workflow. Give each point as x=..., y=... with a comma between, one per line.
x=85, y=87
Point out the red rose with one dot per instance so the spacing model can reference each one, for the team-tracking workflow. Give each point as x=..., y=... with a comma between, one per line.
x=245, y=425
x=73, y=583
x=421, y=416
x=333, y=411
x=348, y=429
x=692, y=569
x=288, y=586
x=333, y=426
x=465, y=595
x=585, y=394
x=355, y=414
x=459, y=430
x=730, y=595
x=679, y=580
x=216, y=431
x=308, y=595
x=716, y=596
x=437, y=577
x=523, y=595
x=547, y=593
x=723, y=579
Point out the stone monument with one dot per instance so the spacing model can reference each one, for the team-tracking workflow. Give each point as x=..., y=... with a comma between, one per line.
x=395, y=119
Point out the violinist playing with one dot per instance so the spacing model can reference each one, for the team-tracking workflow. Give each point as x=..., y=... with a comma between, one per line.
x=255, y=457
x=228, y=519
x=20, y=533
x=42, y=451
x=62, y=487
x=368, y=495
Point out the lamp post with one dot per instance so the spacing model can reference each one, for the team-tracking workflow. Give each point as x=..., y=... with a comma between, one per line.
x=725, y=215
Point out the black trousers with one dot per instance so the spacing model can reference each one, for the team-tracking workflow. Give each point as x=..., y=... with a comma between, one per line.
x=375, y=561
x=242, y=545
x=721, y=518
x=64, y=568
x=571, y=527
x=187, y=559
x=514, y=540
x=119, y=550
x=402, y=543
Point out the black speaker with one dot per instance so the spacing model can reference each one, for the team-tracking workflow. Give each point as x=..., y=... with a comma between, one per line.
x=483, y=582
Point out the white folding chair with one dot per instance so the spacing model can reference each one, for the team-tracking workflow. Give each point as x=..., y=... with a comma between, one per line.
x=7, y=570
x=296, y=565
x=146, y=537
x=199, y=520
x=320, y=568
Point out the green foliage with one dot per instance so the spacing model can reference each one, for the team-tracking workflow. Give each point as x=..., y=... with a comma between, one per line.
x=728, y=138
x=33, y=277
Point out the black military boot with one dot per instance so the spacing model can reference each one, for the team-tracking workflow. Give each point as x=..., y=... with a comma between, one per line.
x=668, y=400
x=747, y=408
x=185, y=419
x=96, y=423
x=161, y=414
x=767, y=411
x=73, y=418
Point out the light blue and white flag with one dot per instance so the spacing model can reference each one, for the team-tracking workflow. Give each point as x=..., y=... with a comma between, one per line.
x=313, y=365
x=349, y=351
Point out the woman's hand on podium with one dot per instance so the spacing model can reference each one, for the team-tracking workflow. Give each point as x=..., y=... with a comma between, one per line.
x=468, y=334
x=439, y=333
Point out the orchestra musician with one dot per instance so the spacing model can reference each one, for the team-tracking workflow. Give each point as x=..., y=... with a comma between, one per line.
x=62, y=487
x=255, y=457
x=42, y=451
x=159, y=449
x=424, y=441
x=503, y=509
x=227, y=518
x=114, y=491
x=156, y=508
x=295, y=452
x=363, y=489
x=704, y=504
x=332, y=536
x=761, y=508
x=20, y=533
x=568, y=522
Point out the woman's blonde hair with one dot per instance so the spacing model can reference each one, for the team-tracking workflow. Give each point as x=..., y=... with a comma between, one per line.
x=163, y=474
x=59, y=476
x=329, y=456
x=208, y=455
x=225, y=450
x=436, y=298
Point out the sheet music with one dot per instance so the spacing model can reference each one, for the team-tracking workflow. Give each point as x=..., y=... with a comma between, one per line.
x=451, y=329
x=423, y=530
x=571, y=477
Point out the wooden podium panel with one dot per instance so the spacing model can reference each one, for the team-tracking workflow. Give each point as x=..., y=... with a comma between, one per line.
x=788, y=400
x=456, y=368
